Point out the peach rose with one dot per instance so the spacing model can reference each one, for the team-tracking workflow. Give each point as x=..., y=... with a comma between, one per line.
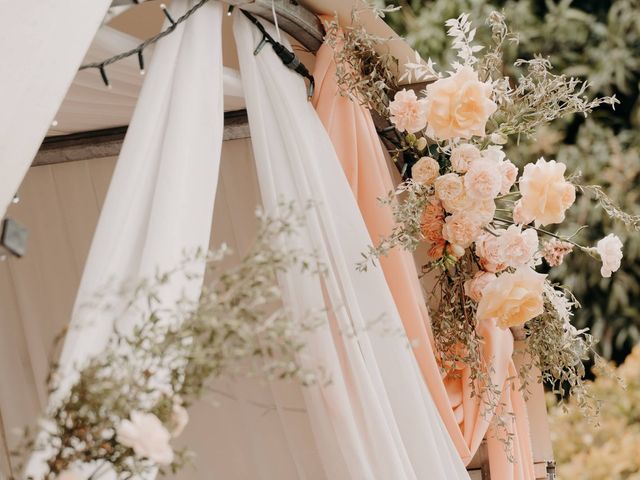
x=458, y=106
x=489, y=249
x=425, y=171
x=518, y=247
x=483, y=180
x=462, y=156
x=509, y=173
x=437, y=250
x=513, y=298
x=474, y=286
x=448, y=187
x=610, y=250
x=546, y=195
x=408, y=113
x=461, y=228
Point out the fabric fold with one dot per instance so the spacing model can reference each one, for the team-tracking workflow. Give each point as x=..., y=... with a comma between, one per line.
x=358, y=147
x=376, y=418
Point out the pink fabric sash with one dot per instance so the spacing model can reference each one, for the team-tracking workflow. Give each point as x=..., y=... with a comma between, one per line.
x=354, y=137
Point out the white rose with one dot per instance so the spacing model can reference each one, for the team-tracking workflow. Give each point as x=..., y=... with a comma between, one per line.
x=610, y=250
x=483, y=180
x=147, y=436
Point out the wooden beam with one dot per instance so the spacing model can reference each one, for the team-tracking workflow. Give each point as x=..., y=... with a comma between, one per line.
x=108, y=142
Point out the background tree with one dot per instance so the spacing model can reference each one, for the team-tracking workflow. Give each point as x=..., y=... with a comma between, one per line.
x=597, y=41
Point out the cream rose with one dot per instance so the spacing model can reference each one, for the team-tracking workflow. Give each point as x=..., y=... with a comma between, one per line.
x=458, y=106
x=489, y=249
x=610, y=250
x=513, y=298
x=448, y=187
x=461, y=228
x=408, y=113
x=425, y=171
x=483, y=180
x=462, y=156
x=518, y=247
x=546, y=195
x=147, y=436
x=474, y=286
x=509, y=174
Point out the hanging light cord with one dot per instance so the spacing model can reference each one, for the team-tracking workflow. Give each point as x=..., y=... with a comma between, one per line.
x=287, y=57
x=140, y=48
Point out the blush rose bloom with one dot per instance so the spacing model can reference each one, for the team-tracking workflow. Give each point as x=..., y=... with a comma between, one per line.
x=147, y=436
x=610, y=250
x=462, y=156
x=489, y=249
x=448, y=187
x=474, y=286
x=512, y=299
x=546, y=195
x=425, y=171
x=483, y=180
x=408, y=113
x=459, y=106
x=509, y=173
x=484, y=209
x=519, y=215
x=461, y=228
x=518, y=247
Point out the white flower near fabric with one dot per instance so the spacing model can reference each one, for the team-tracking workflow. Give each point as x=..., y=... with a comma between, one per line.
x=462, y=156
x=518, y=247
x=425, y=171
x=459, y=106
x=610, y=251
x=513, y=299
x=483, y=180
x=147, y=436
x=546, y=194
x=408, y=113
x=179, y=419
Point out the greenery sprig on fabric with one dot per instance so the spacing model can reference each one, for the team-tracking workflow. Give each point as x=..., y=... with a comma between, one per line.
x=483, y=220
x=128, y=402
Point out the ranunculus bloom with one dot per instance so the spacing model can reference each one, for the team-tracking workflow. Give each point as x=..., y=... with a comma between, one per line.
x=461, y=228
x=513, y=298
x=474, y=286
x=459, y=106
x=509, y=174
x=483, y=180
x=448, y=187
x=462, y=156
x=425, y=171
x=546, y=195
x=408, y=113
x=610, y=250
x=179, y=419
x=518, y=247
x=489, y=249
x=147, y=436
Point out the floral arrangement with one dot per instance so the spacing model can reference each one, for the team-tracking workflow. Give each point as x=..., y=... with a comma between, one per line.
x=612, y=451
x=129, y=402
x=486, y=225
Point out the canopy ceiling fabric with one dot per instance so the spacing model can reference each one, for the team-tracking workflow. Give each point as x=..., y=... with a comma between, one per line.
x=39, y=60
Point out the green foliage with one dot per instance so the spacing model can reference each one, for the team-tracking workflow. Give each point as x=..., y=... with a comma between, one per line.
x=597, y=41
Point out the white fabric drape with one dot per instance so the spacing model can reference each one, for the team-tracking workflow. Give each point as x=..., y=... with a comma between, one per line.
x=41, y=45
x=160, y=199
x=376, y=419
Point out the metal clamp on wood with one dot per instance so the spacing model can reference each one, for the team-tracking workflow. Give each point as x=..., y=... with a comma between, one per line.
x=288, y=58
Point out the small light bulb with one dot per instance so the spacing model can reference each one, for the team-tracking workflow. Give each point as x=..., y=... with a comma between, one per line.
x=54, y=123
x=3, y=257
x=16, y=199
x=142, y=72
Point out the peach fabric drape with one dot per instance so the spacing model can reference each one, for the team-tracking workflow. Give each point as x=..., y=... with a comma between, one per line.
x=353, y=134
